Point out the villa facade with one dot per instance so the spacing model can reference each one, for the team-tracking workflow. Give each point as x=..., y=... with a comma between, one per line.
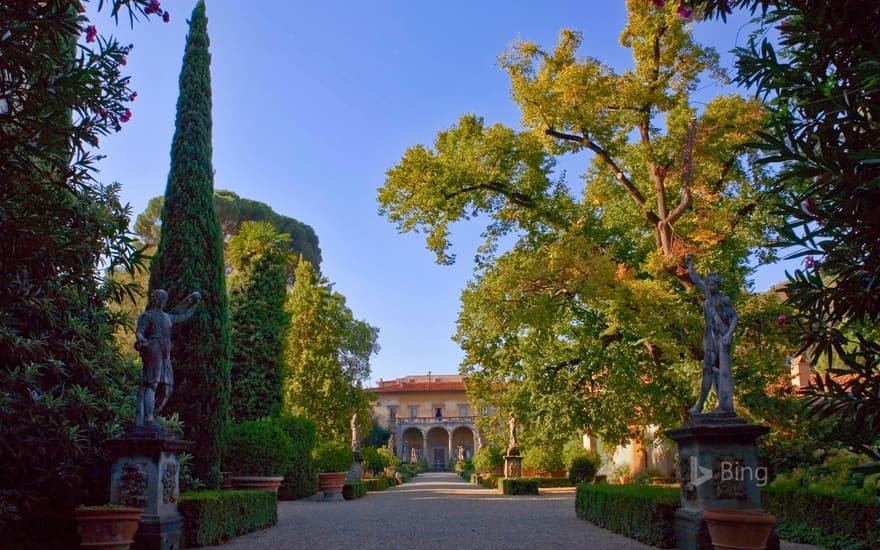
x=429, y=416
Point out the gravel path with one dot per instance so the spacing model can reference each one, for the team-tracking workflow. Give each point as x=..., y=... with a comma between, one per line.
x=437, y=511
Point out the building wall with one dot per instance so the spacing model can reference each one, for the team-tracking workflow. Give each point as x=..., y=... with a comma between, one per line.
x=424, y=404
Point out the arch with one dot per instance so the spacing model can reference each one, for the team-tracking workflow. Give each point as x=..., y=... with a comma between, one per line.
x=413, y=444
x=464, y=436
x=437, y=448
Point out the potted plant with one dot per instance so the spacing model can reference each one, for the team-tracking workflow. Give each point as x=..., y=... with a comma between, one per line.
x=258, y=454
x=739, y=528
x=110, y=526
x=334, y=460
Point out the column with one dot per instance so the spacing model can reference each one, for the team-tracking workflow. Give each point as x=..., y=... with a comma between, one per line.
x=449, y=440
x=425, y=446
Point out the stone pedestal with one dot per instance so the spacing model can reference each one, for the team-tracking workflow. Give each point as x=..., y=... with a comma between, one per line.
x=718, y=470
x=513, y=466
x=146, y=474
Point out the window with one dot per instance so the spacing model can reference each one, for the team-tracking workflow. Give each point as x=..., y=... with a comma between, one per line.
x=413, y=411
x=438, y=413
x=463, y=410
x=392, y=414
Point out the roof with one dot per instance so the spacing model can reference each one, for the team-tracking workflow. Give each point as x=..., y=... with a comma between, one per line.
x=406, y=387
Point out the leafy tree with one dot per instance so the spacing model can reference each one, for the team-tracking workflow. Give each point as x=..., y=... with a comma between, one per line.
x=585, y=321
x=257, y=292
x=820, y=78
x=190, y=257
x=327, y=357
x=232, y=211
x=65, y=389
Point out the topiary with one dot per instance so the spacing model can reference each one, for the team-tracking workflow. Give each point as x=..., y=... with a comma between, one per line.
x=583, y=468
x=301, y=479
x=257, y=448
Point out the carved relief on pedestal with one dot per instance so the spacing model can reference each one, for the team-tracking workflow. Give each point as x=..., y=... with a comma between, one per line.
x=688, y=489
x=169, y=483
x=728, y=477
x=133, y=485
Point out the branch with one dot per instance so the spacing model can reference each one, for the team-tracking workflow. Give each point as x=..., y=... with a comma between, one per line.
x=688, y=172
x=515, y=197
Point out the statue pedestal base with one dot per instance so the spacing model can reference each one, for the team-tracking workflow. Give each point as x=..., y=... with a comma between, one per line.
x=146, y=474
x=718, y=470
x=513, y=466
x=356, y=473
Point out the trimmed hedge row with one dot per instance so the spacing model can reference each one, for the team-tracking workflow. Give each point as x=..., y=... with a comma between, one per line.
x=637, y=511
x=487, y=481
x=520, y=486
x=354, y=489
x=828, y=520
x=377, y=484
x=212, y=517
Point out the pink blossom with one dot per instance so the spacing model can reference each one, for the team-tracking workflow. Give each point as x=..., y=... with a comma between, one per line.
x=125, y=116
x=782, y=320
x=659, y=3
x=809, y=262
x=166, y=17
x=91, y=33
x=123, y=61
x=685, y=13
x=808, y=206
x=133, y=96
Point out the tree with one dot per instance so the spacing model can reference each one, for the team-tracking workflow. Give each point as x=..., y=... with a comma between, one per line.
x=327, y=357
x=257, y=292
x=820, y=79
x=65, y=389
x=568, y=320
x=190, y=257
x=232, y=211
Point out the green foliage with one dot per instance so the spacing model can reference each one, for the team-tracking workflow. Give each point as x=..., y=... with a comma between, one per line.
x=259, y=259
x=565, y=319
x=543, y=458
x=378, y=436
x=373, y=462
x=388, y=457
x=213, y=517
x=190, y=257
x=333, y=456
x=327, y=357
x=354, y=489
x=830, y=519
x=257, y=448
x=583, y=468
x=521, y=486
x=377, y=484
x=65, y=388
x=636, y=511
x=301, y=479
x=833, y=474
x=488, y=459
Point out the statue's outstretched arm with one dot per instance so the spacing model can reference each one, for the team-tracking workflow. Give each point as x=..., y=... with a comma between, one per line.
x=695, y=277
x=184, y=309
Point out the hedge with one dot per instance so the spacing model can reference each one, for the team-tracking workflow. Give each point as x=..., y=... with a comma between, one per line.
x=354, y=489
x=212, y=517
x=835, y=521
x=519, y=486
x=641, y=512
x=377, y=484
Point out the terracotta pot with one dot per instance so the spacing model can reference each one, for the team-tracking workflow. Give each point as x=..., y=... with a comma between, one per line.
x=107, y=528
x=331, y=483
x=739, y=529
x=257, y=483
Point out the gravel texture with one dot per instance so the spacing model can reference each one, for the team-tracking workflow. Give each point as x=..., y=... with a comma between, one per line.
x=437, y=511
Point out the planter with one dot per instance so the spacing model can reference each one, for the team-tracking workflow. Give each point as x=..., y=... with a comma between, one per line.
x=107, y=528
x=739, y=529
x=257, y=483
x=331, y=483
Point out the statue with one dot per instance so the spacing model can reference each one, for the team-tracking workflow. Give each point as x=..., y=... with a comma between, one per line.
x=355, y=435
x=392, y=444
x=512, y=446
x=721, y=321
x=153, y=342
x=461, y=454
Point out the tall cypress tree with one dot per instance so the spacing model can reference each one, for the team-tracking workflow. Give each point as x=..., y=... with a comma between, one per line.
x=190, y=257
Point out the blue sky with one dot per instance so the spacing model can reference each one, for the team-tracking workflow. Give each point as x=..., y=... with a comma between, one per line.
x=313, y=102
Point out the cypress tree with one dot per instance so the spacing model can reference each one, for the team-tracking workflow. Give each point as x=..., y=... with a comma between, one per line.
x=190, y=258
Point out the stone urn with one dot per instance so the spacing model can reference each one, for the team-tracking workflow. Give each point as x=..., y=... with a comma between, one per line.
x=107, y=527
x=257, y=483
x=330, y=483
x=739, y=529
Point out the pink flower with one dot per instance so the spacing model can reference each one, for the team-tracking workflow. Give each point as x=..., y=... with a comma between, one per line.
x=123, y=61
x=782, y=320
x=154, y=5
x=809, y=262
x=166, y=17
x=808, y=206
x=659, y=3
x=133, y=96
x=685, y=13
x=91, y=33
x=125, y=116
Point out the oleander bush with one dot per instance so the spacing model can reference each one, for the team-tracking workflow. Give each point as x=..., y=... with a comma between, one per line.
x=641, y=512
x=354, y=489
x=212, y=517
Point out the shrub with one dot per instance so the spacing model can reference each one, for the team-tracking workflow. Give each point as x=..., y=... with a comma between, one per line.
x=641, y=512
x=354, y=489
x=211, y=517
x=333, y=456
x=257, y=448
x=521, y=486
x=583, y=468
x=488, y=459
x=378, y=484
x=373, y=461
x=388, y=457
x=301, y=479
x=488, y=481
x=831, y=519
x=543, y=459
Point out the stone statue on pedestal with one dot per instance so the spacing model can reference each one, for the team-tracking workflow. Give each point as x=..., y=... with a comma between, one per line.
x=512, y=445
x=721, y=321
x=153, y=342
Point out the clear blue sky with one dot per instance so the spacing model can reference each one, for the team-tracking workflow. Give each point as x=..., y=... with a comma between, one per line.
x=314, y=101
